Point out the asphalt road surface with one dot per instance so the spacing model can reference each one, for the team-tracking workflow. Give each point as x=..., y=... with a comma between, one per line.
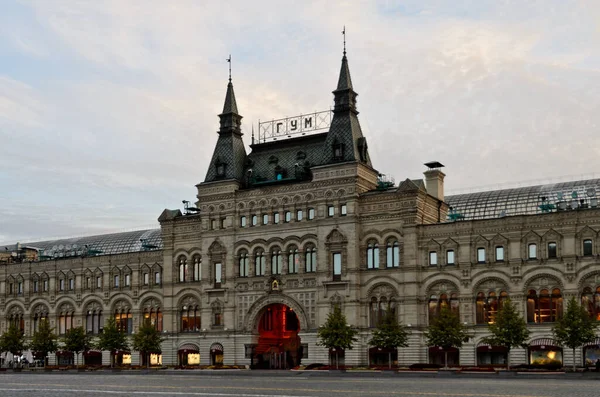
x=223, y=385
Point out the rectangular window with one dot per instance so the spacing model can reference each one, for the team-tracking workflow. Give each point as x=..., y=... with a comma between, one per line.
x=218, y=275
x=45, y=285
x=337, y=266
x=276, y=218
x=343, y=210
x=127, y=280
x=146, y=279
x=587, y=248
x=288, y=216
x=311, y=214
x=157, y=278
x=35, y=286
x=116, y=281
x=213, y=224
x=10, y=288
x=480, y=255
x=330, y=210
x=98, y=282
x=433, y=258
x=450, y=257
x=61, y=285
x=299, y=215
x=71, y=284
x=88, y=283
x=19, y=288
x=265, y=219
x=552, y=250
x=499, y=254
x=254, y=220
x=532, y=251
x=242, y=221
x=222, y=225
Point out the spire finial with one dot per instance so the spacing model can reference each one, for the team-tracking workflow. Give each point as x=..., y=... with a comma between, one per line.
x=253, y=134
x=344, y=33
x=229, y=61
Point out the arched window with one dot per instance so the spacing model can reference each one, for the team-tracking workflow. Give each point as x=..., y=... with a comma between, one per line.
x=40, y=314
x=293, y=260
x=545, y=307
x=372, y=256
x=244, y=266
x=190, y=318
x=487, y=307
x=311, y=259
x=217, y=314
x=65, y=321
x=374, y=312
x=587, y=247
x=124, y=320
x=259, y=263
x=16, y=320
x=393, y=254
x=441, y=302
x=182, y=269
x=276, y=262
x=532, y=251
x=93, y=319
x=591, y=301
x=197, y=268
x=154, y=316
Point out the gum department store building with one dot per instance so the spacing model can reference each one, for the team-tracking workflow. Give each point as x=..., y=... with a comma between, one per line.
x=302, y=223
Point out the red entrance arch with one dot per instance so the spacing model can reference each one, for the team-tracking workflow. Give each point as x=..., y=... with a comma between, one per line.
x=278, y=343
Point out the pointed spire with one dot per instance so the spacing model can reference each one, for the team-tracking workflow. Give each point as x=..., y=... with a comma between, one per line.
x=344, y=82
x=230, y=105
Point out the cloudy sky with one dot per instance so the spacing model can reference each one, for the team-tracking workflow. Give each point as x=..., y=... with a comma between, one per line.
x=108, y=109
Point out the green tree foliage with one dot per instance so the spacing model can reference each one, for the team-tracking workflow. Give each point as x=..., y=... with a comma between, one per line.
x=147, y=340
x=76, y=341
x=446, y=331
x=44, y=341
x=390, y=334
x=13, y=341
x=336, y=334
x=509, y=329
x=111, y=339
x=575, y=328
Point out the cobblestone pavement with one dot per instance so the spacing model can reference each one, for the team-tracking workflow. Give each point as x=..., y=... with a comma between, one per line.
x=169, y=384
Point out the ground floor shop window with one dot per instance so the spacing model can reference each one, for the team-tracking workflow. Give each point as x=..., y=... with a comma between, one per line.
x=379, y=357
x=216, y=354
x=92, y=357
x=437, y=355
x=591, y=354
x=545, y=355
x=491, y=355
x=122, y=358
x=188, y=354
x=65, y=358
x=337, y=357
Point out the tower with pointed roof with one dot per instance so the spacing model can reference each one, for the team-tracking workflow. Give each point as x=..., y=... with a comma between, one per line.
x=345, y=141
x=227, y=161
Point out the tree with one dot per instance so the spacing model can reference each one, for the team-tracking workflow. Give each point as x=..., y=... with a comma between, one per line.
x=575, y=328
x=76, y=341
x=147, y=340
x=446, y=331
x=509, y=329
x=112, y=339
x=13, y=341
x=336, y=334
x=44, y=340
x=390, y=334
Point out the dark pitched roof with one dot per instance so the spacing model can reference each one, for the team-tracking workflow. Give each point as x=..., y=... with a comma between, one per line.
x=344, y=81
x=230, y=105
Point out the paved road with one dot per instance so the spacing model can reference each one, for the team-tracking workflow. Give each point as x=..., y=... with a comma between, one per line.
x=296, y=385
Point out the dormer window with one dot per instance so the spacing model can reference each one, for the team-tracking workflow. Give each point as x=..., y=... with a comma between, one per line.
x=279, y=176
x=279, y=173
x=338, y=151
x=221, y=169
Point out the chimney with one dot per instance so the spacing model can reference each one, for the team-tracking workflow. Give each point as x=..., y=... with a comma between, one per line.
x=434, y=180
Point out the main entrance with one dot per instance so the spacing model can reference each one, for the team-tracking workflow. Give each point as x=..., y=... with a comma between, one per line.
x=278, y=343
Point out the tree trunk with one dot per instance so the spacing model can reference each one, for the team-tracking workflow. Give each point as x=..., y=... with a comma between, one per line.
x=574, y=362
x=147, y=360
x=390, y=359
x=337, y=360
x=445, y=359
x=76, y=360
x=508, y=360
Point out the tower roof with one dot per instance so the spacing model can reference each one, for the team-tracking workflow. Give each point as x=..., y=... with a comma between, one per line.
x=230, y=105
x=345, y=81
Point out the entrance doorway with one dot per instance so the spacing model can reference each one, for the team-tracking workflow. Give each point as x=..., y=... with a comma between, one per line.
x=278, y=343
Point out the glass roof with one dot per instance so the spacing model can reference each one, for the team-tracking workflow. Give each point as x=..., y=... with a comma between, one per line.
x=105, y=244
x=529, y=200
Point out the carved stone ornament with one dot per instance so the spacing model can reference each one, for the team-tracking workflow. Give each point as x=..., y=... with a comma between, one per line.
x=152, y=304
x=66, y=308
x=275, y=285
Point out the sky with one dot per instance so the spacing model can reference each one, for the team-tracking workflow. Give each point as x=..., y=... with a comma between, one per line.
x=108, y=109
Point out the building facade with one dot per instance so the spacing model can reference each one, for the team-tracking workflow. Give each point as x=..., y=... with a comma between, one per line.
x=282, y=234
